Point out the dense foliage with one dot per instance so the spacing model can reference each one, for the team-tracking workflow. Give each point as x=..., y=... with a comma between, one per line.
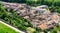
x=51, y=3
x=23, y=24
x=13, y=19
x=37, y=2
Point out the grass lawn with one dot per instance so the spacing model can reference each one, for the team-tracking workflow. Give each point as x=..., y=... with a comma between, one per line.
x=5, y=29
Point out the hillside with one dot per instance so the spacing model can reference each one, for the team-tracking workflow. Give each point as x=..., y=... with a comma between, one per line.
x=30, y=19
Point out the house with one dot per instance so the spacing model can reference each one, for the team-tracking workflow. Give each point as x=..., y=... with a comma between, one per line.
x=42, y=26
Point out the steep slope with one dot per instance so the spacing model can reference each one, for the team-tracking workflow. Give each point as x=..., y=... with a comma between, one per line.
x=40, y=16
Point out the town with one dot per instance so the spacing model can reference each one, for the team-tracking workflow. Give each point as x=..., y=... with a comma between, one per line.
x=40, y=16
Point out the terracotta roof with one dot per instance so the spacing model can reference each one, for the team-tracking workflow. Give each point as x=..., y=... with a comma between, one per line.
x=42, y=26
x=39, y=17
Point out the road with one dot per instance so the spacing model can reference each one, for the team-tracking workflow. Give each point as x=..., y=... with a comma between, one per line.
x=12, y=27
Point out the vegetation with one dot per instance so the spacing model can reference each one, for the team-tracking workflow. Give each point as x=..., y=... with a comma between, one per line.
x=21, y=23
x=5, y=29
x=55, y=29
x=41, y=2
x=51, y=3
x=13, y=19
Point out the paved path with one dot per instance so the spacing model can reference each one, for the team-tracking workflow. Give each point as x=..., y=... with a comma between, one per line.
x=12, y=27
